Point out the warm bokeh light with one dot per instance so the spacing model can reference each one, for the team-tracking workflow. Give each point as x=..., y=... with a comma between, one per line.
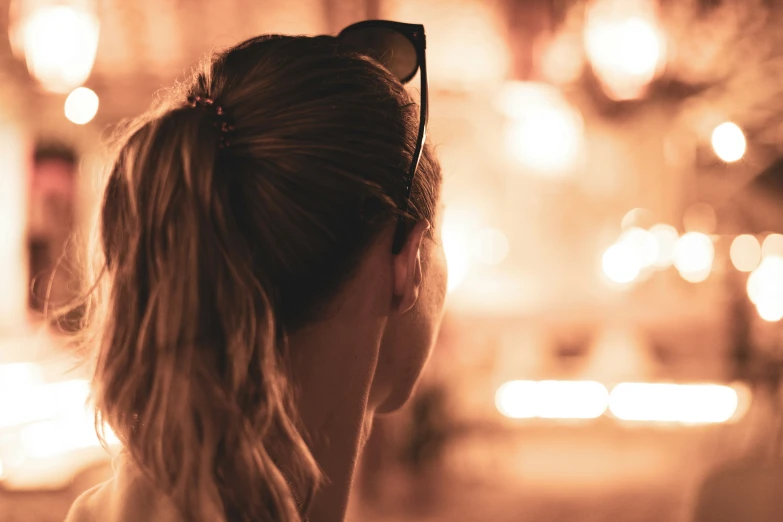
x=544, y=132
x=629, y=401
x=466, y=48
x=574, y=142
x=664, y=402
x=636, y=217
x=620, y=263
x=492, y=246
x=772, y=245
x=562, y=59
x=618, y=352
x=624, y=45
x=765, y=278
x=771, y=311
x=635, y=250
x=51, y=438
x=643, y=243
x=458, y=259
x=700, y=217
x=666, y=238
x=17, y=378
x=552, y=399
x=696, y=277
x=728, y=142
x=81, y=105
x=693, y=256
x=457, y=233
x=765, y=288
x=745, y=253
x=14, y=262
x=46, y=419
x=31, y=400
x=60, y=43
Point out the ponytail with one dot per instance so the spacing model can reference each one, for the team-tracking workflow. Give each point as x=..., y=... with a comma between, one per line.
x=192, y=368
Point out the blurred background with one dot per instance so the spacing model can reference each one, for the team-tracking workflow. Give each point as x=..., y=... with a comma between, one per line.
x=614, y=191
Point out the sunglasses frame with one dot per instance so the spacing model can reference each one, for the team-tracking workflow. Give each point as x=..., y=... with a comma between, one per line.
x=414, y=33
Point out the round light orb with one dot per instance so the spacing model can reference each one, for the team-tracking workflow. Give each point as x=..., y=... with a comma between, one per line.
x=636, y=217
x=765, y=284
x=621, y=263
x=700, y=217
x=772, y=245
x=624, y=46
x=728, y=142
x=81, y=105
x=666, y=237
x=60, y=43
x=745, y=253
x=693, y=256
x=643, y=244
x=771, y=312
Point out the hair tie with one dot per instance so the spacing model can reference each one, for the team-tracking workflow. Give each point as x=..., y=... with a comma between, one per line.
x=221, y=120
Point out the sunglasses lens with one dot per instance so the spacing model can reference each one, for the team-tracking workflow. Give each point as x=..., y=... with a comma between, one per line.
x=392, y=49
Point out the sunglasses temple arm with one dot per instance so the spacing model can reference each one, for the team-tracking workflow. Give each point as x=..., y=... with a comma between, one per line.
x=423, y=117
x=425, y=90
x=401, y=231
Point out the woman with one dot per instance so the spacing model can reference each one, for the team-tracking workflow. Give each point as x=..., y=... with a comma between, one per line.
x=257, y=315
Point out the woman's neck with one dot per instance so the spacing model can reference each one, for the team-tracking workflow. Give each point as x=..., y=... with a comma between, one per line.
x=334, y=367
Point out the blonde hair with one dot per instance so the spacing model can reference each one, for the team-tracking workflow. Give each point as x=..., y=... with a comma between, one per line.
x=210, y=256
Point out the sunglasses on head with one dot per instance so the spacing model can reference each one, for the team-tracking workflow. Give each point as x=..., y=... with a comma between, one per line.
x=399, y=48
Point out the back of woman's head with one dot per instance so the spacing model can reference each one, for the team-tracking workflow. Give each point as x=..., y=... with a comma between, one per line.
x=218, y=244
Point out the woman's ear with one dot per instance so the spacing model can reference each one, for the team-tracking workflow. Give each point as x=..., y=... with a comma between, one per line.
x=407, y=269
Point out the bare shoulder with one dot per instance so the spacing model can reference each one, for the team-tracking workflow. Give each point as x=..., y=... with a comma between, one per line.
x=127, y=497
x=85, y=508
